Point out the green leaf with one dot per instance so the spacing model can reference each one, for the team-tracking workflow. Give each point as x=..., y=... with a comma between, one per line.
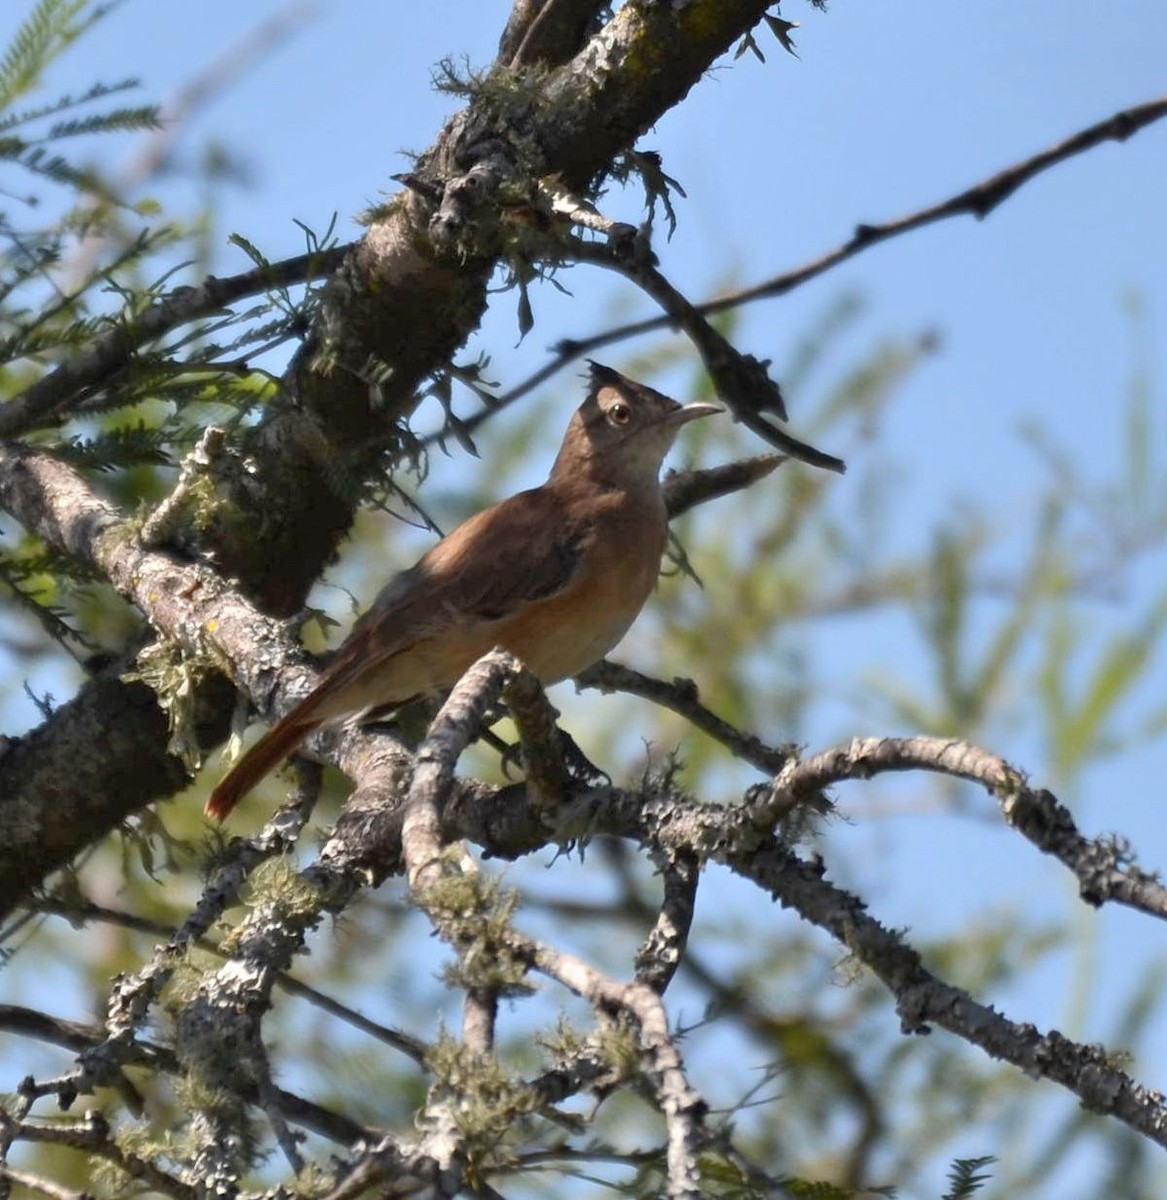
x=967, y=1176
x=49, y=30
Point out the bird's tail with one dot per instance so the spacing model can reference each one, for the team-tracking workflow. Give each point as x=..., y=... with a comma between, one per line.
x=271, y=749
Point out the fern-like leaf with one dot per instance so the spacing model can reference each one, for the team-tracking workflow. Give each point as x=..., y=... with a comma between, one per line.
x=53, y=618
x=118, y=449
x=49, y=30
x=966, y=1176
x=99, y=91
x=119, y=120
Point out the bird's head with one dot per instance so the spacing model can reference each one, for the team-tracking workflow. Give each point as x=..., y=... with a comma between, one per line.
x=623, y=429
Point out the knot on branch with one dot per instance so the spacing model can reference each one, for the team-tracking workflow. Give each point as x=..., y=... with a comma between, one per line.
x=468, y=207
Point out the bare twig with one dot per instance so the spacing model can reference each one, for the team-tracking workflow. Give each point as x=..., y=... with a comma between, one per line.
x=76, y=1036
x=682, y=1107
x=1103, y=866
x=384, y=1160
x=741, y=380
x=681, y=697
x=978, y=201
x=166, y=519
x=686, y=489
x=86, y=911
x=92, y=1135
x=734, y=838
x=268, y=1097
x=39, y=1184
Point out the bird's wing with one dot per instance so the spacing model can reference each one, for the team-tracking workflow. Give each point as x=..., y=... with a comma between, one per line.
x=527, y=548
x=519, y=551
x=524, y=549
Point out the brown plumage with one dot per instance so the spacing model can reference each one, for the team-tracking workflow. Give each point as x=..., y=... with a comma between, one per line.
x=555, y=574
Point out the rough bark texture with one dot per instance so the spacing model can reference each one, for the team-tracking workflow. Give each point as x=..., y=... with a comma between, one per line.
x=414, y=287
x=403, y=300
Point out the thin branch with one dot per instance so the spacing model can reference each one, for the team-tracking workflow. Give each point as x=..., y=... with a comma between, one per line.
x=267, y=1096
x=741, y=380
x=681, y=696
x=383, y=1161
x=76, y=1036
x=922, y=999
x=39, y=1184
x=659, y=957
x=736, y=838
x=1102, y=866
x=92, y=1135
x=167, y=518
x=686, y=489
x=681, y=1106
x=978, y=201
x=43, y=402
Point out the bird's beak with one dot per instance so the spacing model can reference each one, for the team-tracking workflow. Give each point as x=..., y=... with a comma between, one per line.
x=690, y=412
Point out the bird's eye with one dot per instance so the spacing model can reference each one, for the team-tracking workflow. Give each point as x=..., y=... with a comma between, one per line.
x=619, y=413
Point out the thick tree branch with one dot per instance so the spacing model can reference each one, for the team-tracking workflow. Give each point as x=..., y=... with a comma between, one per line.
x=399, y=303
x=57, y=795
x=546, y=31
x=47, y=812
x=414, y=287
x=189, y=604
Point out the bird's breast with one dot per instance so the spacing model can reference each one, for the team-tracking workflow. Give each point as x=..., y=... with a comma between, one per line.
x=566, y=633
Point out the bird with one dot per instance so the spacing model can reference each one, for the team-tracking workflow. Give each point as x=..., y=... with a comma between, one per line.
x=555, y=574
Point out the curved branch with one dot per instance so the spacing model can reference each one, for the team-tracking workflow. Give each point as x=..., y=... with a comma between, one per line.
x=682, y=1108
x=681, y=696
x=1102, y=866
x=978, y=200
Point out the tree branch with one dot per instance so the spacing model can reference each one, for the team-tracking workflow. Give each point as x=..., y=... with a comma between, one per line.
x=46, y=401
x=398, y=304
x=978, y=201
x=681, y=696
x=1103, y=866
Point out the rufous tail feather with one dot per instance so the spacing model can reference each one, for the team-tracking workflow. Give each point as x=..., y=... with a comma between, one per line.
x=263, y=758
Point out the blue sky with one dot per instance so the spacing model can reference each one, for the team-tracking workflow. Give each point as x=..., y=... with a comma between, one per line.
x=890, y=107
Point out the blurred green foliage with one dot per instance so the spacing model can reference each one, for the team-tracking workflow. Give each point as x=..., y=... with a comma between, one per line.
x=810, y=596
